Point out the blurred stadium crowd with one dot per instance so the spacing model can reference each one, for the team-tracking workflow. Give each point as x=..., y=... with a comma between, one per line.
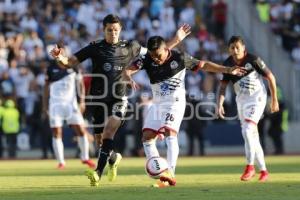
x=283, y=16
x=29, y=28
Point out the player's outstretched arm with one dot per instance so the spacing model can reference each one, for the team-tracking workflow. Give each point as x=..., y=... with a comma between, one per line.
x=127, y=76
x=273, y=90
x=221, y=99
x=81, y=94
x=64, y=61
x=181, y=33
x=213, y=67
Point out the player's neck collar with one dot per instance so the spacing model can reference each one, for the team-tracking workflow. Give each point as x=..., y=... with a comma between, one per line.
x=110, y=44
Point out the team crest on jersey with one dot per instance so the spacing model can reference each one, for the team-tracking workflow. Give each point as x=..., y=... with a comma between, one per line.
x=248, y=66
x=174, y=64
x=107, y=67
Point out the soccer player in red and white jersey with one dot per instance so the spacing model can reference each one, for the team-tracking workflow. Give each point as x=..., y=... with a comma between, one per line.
x=251, y=97
x=166, y=70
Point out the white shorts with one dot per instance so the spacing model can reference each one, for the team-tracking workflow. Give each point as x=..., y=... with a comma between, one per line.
x=161, y=116
x=251, y=109
x=58, y=112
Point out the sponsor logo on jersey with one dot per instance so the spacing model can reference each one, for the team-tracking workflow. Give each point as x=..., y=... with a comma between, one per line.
x=118, y=68
x=174, y=64
x=107, y=67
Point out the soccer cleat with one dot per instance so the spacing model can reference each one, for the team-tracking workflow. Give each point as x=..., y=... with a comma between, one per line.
x=93, y=176
x=264, y=175
x=160, y=184
x=113, y=168
x=89, y=163
x=168, y=177
x=61, y=166
x=248, y=173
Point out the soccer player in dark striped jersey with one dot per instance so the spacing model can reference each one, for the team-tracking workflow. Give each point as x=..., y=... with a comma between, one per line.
x=166, y=70
x=109, y=57
x=251, y=98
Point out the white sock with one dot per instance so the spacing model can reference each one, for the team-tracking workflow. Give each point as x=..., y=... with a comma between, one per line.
x=249, y=139
x=83, y=144
x=58, y=148
x=259, y=154
x=172, y=152
x=150, y=149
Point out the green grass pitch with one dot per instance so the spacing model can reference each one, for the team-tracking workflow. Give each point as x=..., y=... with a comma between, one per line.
x=207, y=178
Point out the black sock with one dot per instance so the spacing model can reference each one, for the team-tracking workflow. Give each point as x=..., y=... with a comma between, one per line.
x=105, y=151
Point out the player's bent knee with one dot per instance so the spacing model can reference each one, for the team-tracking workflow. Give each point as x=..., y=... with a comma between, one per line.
x=148, y=135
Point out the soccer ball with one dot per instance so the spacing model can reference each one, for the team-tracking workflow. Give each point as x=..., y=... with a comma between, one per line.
x=155, y=166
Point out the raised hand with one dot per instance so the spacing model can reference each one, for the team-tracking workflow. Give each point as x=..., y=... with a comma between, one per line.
x=183, y=31
x=56, y=51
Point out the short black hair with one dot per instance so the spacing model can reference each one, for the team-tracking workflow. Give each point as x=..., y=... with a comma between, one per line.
x=155, y=42
x=234, y=39
x=111, y=19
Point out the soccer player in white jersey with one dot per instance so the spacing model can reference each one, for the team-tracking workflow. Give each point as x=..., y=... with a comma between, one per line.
x=60, y=102
x=166, y=70
x=251, y=97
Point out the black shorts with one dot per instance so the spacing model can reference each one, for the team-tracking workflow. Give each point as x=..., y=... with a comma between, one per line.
x=100, y=111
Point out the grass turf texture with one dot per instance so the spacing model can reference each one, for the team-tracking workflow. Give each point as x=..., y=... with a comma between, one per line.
x=209, y=178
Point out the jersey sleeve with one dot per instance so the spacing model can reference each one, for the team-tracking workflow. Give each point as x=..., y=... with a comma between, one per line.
x=225, y=77
x=84, y=53
x=191, y=63
x=261, y=67
x=136, y=48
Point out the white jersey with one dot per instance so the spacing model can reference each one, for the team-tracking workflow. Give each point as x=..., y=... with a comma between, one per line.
x=171, y=89
x=63, y=103
x=251, y=84
x=64, y=89
x=167, y=79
